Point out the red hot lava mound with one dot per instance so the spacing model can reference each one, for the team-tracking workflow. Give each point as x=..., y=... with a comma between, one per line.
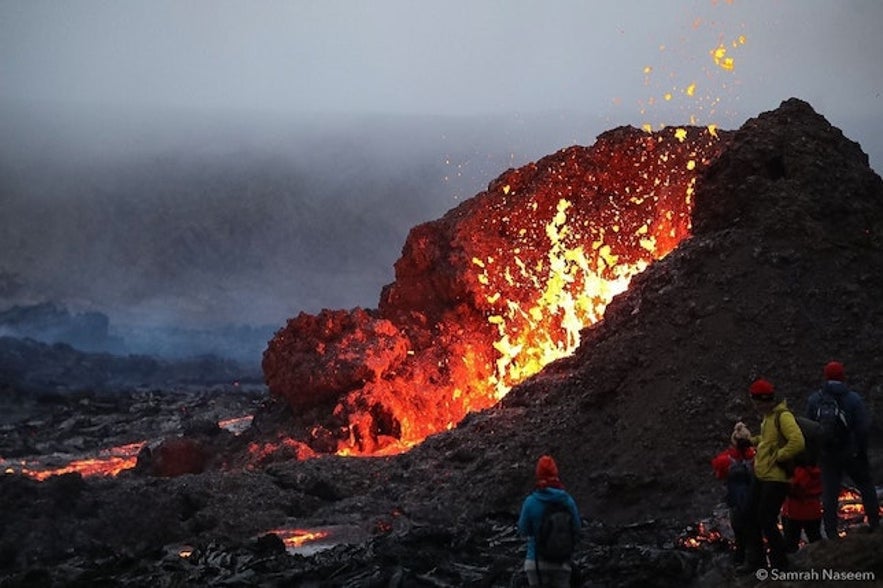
x=490, y=293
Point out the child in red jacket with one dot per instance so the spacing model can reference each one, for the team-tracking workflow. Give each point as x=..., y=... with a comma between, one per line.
x=802, y=510
x=735, y=464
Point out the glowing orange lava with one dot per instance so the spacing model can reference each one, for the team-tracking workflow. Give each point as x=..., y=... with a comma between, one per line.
x=236, y=425
x=526, y=342
x=295, y=538
x=109, y=462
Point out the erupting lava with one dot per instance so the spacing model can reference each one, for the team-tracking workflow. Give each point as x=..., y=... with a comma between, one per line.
x=496, y=289
x=490, y=293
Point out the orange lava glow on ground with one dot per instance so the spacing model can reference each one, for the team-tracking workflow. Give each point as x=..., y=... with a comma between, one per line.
x=109, y=462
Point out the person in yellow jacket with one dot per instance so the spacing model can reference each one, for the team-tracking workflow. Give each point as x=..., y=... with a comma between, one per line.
x=779, y=441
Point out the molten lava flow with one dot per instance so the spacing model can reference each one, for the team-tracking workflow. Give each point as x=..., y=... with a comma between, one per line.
x=236, y=425
x=299, y=537
x=850, y=509
x=296, y=538
x=109, y=462
x=394, y=447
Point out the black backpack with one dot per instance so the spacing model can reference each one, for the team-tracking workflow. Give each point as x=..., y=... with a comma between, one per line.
x=833, y=421
x=812, y=442
x=556, y=538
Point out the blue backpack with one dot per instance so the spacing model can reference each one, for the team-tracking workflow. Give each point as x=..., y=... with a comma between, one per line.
x=738, y=483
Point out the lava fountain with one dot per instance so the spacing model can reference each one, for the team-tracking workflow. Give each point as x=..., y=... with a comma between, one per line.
x=487, y=295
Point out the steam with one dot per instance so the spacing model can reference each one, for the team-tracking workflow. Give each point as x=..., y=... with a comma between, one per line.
x=187, y=224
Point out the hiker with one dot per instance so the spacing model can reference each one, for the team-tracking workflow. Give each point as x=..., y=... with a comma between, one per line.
x=845, y=448
x=539, y=504
x=735, y=464
x=780, y=440
x=802, y=511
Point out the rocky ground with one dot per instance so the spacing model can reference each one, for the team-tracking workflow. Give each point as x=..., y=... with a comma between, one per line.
x=782, y=273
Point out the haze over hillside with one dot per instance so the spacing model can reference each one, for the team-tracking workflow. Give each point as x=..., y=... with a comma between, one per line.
x=197, y=221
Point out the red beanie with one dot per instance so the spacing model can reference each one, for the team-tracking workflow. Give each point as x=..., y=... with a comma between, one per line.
x=547, y=472
x=761, y=389
x=834, y=371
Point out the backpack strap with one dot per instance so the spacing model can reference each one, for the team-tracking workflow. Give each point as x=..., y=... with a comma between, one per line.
x=843, y=413
x=782, y=440
x=787, y=467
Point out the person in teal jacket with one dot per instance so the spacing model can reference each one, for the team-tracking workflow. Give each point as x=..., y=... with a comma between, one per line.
x=549, y=489
x=779, y=441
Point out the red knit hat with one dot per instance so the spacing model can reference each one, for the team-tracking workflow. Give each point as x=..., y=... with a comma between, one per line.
x=761, y=390
x=547, y=471
x=834, y=371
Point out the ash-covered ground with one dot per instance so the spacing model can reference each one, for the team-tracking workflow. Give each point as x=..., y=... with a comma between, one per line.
x=782, y=273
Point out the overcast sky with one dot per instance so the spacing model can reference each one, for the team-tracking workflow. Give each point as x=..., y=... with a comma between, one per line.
x=618, y=59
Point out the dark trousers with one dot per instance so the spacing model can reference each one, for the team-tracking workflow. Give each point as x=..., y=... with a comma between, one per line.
x=765, y=502
x=740, y=526
x=834, y=467
x=792, y=528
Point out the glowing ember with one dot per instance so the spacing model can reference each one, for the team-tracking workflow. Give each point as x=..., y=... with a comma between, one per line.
x=719, y=54
x=699, y=536
x=683, y=62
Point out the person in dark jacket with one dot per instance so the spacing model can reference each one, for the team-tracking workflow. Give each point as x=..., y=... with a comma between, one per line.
x=849, y=457
x=548, y=489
